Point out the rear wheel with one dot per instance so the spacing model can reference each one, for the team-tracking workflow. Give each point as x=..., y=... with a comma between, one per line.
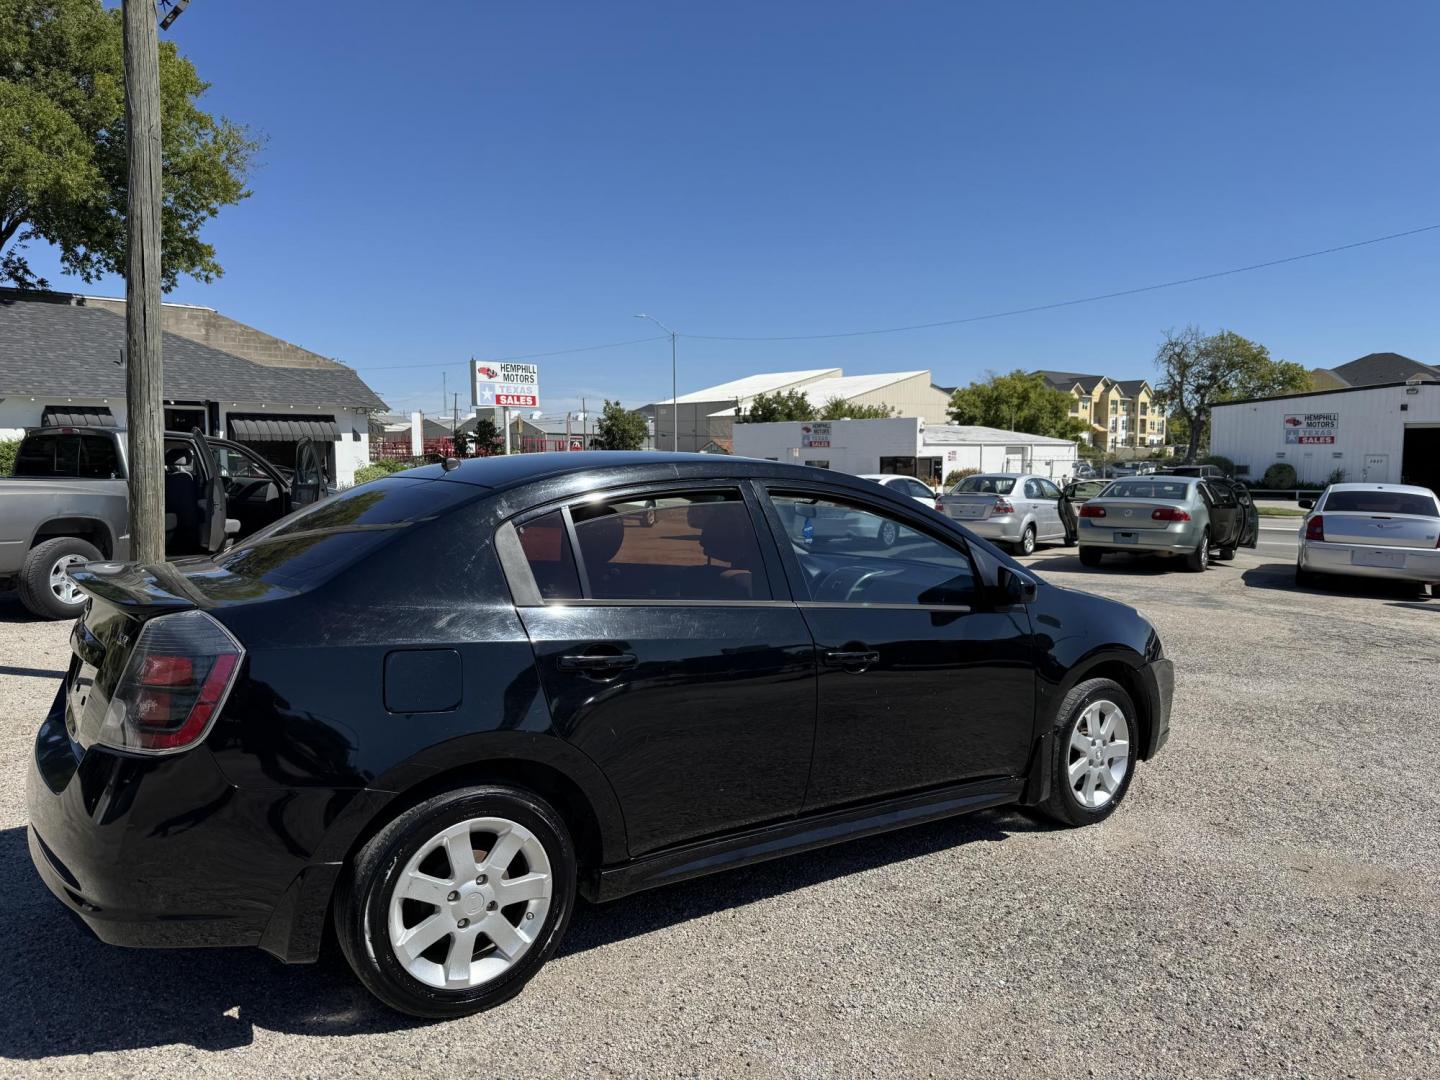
x=1090, y=556
x=1435, y=591
x=1199, y=559
x=45, y=588
x=458, y=902
x=1026, y=545
x=1094, y=753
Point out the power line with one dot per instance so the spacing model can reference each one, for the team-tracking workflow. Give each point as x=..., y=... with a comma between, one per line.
x=1072, y=303
x=521, y=356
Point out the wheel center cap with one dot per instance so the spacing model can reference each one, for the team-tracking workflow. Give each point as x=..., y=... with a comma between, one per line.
x=472, y=903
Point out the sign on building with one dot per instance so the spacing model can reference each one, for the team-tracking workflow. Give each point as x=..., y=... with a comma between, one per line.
x=1306, y=428
x=817, y=434
x=494, y=384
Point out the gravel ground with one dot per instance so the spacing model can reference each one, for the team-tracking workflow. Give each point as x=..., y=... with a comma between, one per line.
x=1266, y=903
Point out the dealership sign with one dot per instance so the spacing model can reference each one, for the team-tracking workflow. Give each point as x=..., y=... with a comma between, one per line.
x=1311, y=427
x=494, y=384
x=815, y=434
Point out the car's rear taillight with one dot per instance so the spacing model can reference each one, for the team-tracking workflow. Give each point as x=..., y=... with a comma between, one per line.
x=174, y=684
x=1167, y=513
x=1003, y=506
x=1315, y=528
x=1089, y=510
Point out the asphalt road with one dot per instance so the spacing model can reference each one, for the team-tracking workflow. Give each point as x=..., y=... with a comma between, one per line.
x=1266, y=903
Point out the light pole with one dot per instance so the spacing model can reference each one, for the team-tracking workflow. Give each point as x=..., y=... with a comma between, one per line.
x=674, y=393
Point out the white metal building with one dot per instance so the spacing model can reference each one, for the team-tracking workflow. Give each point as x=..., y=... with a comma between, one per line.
x=1387, y=434
x=905, y=445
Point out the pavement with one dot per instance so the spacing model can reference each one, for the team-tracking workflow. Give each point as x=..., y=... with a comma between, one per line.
x=1265, y=903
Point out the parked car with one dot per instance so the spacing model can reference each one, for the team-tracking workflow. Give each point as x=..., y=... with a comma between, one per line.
x=1168, y=515
x=524, y=694
x=1085, y=471
x=1017, y=509
x=67, y=502
x=1387, y=531
x=1206, y=472
x=906, y=485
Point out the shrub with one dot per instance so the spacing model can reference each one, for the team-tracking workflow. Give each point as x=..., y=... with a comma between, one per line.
x=1336, y=477
x=8, y=449
x=1224, y=464
x=1279, y=476
x=954, y=476
x=382, y=467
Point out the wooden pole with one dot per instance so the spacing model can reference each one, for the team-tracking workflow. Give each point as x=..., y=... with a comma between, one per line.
x=142, y=285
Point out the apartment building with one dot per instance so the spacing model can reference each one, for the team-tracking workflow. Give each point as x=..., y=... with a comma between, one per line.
x=1118, y=413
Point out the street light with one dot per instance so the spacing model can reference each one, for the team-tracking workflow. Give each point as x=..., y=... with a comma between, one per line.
x=674, y=393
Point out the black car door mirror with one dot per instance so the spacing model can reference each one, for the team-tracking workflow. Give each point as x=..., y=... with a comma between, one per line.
x=1014, y=587
x=1307, y=504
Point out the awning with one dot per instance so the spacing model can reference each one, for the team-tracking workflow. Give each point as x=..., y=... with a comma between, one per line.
x=73, y=416
x=266, y=427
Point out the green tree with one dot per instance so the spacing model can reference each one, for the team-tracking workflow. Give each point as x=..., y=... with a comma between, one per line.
x=1199, y=371
x=1018, y=401
x=62, y=146
x=837, y=408
x=489, y=439
x=776, y=407
x=619, y=428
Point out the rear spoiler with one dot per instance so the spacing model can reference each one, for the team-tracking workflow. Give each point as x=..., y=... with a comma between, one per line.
x=160, y=589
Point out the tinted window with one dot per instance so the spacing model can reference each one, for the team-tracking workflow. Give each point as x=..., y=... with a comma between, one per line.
x=99, y=460
x=1032, y=489
x=1381, y=502
x=920, y=491
x=856, y=554
x=235, y=465
x=1169, y=490
x=390, y=501
x=1222, y=495
x=989, y=485
x=676, y=546
x=1048, y=490
x=547, y=549
x=48, y=455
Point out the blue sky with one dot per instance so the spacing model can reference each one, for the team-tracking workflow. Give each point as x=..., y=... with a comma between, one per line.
x=495, y=179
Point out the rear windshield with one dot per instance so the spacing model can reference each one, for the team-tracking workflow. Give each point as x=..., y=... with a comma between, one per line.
x=1169, y=490
x=69, y=455
x=986, y=485
x=1382, y=502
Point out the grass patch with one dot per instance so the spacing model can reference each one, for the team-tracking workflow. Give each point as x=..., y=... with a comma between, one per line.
x=1278, y=511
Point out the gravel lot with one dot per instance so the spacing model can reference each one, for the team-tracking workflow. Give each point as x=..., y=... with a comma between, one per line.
x=1265, y=903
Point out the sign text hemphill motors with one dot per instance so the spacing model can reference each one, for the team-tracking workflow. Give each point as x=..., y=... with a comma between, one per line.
x=815, y=434
x=1311, y=427
x=504, y=385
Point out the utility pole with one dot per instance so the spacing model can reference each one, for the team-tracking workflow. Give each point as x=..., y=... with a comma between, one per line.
x=674, y=394
x=143, y=362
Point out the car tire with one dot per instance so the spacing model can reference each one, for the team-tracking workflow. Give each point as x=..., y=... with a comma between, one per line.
x=1198, y=561
x=1090, y=556
x=411, y=856
x=43, y=588
x=1435, y=591
x=1026, y=543
x=1225, y=554
x=888, y=533
x=1089, y=775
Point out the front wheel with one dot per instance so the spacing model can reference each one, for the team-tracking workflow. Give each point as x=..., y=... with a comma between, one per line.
x=1094, y=753
x=453, y=906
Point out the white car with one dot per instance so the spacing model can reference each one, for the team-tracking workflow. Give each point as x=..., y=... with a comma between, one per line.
x=904, y=485
x=1371, y=530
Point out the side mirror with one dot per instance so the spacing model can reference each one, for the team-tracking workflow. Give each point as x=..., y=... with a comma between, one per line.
x=1307, y=504
x=1016, y=587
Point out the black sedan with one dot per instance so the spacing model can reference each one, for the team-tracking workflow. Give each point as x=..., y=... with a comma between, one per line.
x=438, y=707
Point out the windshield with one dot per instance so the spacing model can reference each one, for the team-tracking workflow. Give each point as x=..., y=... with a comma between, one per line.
x=1168, y=490
x=986, y=485
x=1382, y=502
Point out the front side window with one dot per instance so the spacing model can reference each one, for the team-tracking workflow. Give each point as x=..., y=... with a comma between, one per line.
x=1047, y=489
x=674, y=546
x=851, y=553
x=237, y=466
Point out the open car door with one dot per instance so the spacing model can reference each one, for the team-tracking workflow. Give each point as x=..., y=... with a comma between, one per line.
x=1249, y=516
x=309, y=485
x=212, y=501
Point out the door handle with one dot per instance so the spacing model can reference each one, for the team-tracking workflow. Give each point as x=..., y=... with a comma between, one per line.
x=602, y=662
x=859, y=658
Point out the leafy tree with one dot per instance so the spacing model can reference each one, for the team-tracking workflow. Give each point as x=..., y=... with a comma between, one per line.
x=1018, y=401
x=489, y=439
x=619, y=428
x=1199, y=371
x=8, y=449
x=774, y=408
x=62, y=146
x=837, y=408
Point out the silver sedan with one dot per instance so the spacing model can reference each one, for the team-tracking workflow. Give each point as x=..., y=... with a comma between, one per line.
x=1371, y=530
x=1168, y=515
x=1015, y=508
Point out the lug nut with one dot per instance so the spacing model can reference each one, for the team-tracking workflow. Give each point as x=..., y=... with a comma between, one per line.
x=463, y=923
x=491, y=906
x=453, y=897
x=481, y=880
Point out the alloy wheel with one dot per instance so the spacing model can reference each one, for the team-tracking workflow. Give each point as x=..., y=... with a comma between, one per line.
x=1099, y=753
x=65, y=590
x=470, y=903
x=1027, y=542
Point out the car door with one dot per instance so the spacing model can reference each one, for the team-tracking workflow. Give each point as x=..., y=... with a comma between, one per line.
x=1054, y=519
x=1249, y=516
x=310, y=481
x=1225, y=516
x=672, y=655
x=212, y=499
x=920, y=683
x=255, y=492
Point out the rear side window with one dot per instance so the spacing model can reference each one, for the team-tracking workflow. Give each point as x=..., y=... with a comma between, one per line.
x=99, y=459
x=391, y=500
x=986, y=485
x=547, y=549
x=1382, y=502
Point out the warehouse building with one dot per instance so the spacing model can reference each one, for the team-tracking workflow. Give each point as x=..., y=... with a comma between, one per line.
x=906, y=446
x=1387, y=433
x=706, y=418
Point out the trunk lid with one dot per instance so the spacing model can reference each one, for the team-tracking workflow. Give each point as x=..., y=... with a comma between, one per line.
x=1380, y=530
x=969, y=507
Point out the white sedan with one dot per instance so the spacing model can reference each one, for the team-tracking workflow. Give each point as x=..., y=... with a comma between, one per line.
x=904, y=485
x=1371, y=530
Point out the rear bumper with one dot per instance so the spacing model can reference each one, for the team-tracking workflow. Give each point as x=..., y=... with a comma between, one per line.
x=1006, y=527
x=1420, y=564
x=1171, y=540
x=1157, y=683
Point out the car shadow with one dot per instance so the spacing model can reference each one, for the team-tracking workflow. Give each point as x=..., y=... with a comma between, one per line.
x=1281, y=577
x=1121, y=563
x=69, y=993
x=12, y=611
